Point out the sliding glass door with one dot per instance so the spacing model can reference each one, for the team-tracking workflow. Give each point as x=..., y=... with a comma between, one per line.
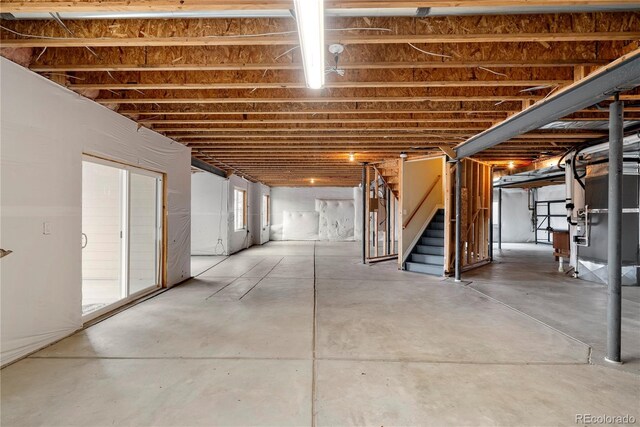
x=121, y=234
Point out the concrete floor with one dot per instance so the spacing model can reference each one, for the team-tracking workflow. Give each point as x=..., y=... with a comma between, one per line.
x=300, y=333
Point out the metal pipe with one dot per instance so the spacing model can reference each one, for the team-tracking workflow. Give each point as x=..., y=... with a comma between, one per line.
x=491, y=217
x=499, y=219
x=614, y=261
x=458, y=266
x=364, y=212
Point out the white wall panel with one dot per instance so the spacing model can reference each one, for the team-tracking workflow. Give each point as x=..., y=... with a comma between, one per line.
x=301, y=199
x=209, y=213
x=44, y=131
x=516, y=217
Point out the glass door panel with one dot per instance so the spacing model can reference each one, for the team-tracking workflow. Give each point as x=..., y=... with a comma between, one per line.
x=121, y=234
x=143, y=232
x=102, y=252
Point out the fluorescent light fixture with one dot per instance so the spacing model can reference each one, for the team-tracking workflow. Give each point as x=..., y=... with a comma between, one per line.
x=310, y=17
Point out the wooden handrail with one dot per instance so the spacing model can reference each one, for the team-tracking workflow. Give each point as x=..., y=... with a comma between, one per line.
x=424, y=199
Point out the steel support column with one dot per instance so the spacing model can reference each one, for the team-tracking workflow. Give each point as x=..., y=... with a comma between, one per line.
x=491, y=219
x=614, y=253
x=365, y=195
x=458, y=260
x=388, y=229
x=499, y=219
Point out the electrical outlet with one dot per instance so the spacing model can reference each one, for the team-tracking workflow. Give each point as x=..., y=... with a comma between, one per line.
x=46, y=228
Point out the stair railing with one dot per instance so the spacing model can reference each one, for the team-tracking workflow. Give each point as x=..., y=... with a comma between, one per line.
x=424, y=199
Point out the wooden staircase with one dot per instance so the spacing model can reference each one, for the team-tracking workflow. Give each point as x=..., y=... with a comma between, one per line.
x=390, y=172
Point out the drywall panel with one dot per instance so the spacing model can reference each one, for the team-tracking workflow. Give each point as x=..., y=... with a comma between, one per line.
x=209, y=213
x=44, y=131
x=301, y=199
x=336, y=219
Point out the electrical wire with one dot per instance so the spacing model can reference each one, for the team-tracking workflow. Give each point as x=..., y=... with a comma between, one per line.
x=429, y=53
x=493, y=72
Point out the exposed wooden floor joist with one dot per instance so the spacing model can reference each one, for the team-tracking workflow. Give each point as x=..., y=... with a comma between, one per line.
x=233, y=89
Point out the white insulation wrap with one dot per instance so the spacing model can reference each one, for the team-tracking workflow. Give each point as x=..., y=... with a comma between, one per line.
x=45, y=130
x=516, y=217
x=302, y=199
x=336, y=219
x=300, y=225
x=209, y=214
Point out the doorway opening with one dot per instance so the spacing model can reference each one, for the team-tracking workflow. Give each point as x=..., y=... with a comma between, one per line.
x=122, y=231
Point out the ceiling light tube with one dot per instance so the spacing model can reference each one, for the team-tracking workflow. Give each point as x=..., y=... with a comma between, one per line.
x=310, y=19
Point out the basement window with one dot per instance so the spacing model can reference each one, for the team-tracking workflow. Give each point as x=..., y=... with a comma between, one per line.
x=240, y=209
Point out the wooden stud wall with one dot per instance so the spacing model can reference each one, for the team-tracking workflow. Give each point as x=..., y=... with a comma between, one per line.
x=476, y=214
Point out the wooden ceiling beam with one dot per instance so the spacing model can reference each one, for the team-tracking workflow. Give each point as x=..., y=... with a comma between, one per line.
x=333, y=111
x=292, y=40
x=327, y=100
x=571, y=134
x=307, y=121
x=313, y=100
x=114, y=67
x=497, y=113
x=328, y=85
x=404, y=129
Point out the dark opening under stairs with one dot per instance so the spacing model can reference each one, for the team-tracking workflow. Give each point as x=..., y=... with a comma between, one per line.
x=427, y=256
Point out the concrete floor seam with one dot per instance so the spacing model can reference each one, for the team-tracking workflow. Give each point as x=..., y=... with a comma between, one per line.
x=325, y=359
x=534, y=319
x=218, y=263
x=261, y=279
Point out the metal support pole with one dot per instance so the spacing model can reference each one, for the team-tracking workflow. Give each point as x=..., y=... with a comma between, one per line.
x=365, y=195
x=388, y=220
x=499, y=219
x=614, y=260
x=458, y=269
x=491, y=219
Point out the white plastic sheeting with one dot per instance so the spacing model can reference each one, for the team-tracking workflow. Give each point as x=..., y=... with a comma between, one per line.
x=517, y=223
x=516, y=217
x=44, y=131
x=209, y=214
x=300, y=225
x=242, y=239
x=302, y=199
x=336, y=219
x=357, y=223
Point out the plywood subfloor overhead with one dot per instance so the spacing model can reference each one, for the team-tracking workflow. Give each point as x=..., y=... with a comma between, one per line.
x=233, y=89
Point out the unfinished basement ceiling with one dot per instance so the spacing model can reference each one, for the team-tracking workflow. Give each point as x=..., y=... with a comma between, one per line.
x=233, y=89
